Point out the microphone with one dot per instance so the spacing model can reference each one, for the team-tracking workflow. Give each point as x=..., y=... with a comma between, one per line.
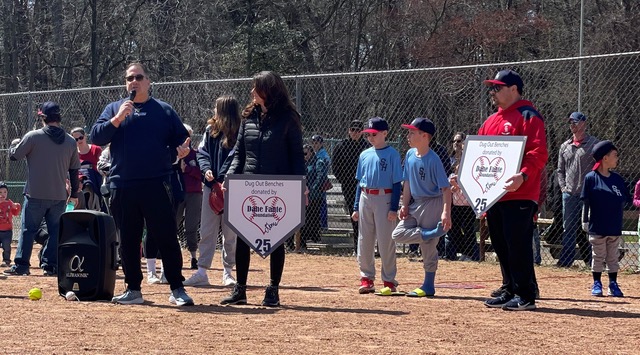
x=132, y=95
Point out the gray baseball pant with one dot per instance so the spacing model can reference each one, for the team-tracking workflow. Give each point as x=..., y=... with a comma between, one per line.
x=423, y=213
x=604, y=249
x=210, y=226
x=374, y=225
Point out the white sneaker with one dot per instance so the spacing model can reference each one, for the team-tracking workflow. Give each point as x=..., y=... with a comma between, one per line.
x=129, y=297
x=228, y=280
x=153, y=279
x=163, y=279
x=197, y=279
x=180, y=298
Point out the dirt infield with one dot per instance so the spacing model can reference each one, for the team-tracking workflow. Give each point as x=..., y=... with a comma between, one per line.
x=323, y=313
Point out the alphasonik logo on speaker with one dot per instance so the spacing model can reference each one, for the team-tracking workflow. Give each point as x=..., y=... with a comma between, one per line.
x=75, y=265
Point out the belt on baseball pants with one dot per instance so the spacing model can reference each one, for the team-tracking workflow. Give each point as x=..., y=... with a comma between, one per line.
x=376, y=191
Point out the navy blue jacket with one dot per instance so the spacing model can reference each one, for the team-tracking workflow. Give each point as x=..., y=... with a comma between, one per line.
x=144, y=145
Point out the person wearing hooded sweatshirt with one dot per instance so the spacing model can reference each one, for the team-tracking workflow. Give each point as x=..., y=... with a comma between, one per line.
x=52, y=158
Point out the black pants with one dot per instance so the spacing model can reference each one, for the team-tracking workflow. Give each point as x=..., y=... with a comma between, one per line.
x=150, y=203
x=349, y=193
x=462, y=235
x=150, y=245
x=310, y=231
x=243, y=259
x=511, y=232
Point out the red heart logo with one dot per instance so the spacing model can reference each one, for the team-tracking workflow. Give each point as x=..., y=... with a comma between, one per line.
x=264, y=214
x=487, y=172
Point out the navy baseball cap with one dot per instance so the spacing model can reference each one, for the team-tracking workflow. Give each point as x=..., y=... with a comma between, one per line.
x=421, y=124
x=357, y=124
x=601, y=149
x=376, y=124
x=576, y=117
x=50, y=110
x=506, y=78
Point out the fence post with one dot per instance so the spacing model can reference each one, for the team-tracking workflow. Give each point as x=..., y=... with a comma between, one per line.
x=29, y=107
x=298, y=95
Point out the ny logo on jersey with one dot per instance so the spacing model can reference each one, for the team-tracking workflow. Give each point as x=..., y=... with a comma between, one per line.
x=422, y=174
x=383, y=164
x=616, y=190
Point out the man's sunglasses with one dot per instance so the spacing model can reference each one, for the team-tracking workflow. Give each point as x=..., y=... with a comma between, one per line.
x=457, y=141
x=79, y=138
x=496, y=88
x=138, y=77
x=352, y=129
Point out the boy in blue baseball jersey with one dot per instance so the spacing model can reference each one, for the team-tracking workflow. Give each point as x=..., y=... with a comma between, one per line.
x=604, y=194
x=428, y=217
x=376, y=207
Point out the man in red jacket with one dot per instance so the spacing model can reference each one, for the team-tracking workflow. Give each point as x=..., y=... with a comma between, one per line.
x=511, y=219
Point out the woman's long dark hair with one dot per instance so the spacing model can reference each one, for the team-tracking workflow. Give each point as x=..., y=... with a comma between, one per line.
x=226, y=120
x=269, y=86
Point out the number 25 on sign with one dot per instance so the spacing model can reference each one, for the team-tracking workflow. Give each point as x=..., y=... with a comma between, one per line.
x=263, y=244
x=480, y=205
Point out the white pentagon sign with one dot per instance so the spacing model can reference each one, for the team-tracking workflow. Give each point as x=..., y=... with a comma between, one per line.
x=264, y=210
x=487, y=162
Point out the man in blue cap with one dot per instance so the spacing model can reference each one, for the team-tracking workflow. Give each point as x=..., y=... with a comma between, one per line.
x=52, y=157
x=574, y=162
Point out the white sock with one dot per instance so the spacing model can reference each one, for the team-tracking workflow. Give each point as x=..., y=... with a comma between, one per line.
x=151, y=266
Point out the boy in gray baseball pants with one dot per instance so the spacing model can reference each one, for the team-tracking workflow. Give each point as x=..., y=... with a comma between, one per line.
x=379, y=176
x=428, y=218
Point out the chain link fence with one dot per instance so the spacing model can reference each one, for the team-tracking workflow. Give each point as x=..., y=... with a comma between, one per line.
x=454, y=98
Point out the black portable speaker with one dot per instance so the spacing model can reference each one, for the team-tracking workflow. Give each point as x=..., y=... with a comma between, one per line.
x=87, y=255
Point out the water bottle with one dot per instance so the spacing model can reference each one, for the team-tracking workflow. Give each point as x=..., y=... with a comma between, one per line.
x=70, y=206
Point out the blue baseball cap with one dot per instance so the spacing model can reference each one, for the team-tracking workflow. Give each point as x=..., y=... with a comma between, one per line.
x=376, y=124
x=421, y=124
x=50, y=110
x=577, y=117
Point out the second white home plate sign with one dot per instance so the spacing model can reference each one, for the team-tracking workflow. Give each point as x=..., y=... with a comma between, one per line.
x=487, y=162
x=264, y=210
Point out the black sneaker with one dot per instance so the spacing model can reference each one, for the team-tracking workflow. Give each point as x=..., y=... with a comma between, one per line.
x=518, y=304
x=499, y=291
x=14, y=271
x=271, y=298
x=194, y=264
x=498, y=302
x=237, y=296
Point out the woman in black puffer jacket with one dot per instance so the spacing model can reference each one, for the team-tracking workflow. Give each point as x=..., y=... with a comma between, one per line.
x=269, y=142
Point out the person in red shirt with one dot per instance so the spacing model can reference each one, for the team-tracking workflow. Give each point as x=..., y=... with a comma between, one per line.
x=8, y=209
x=511, y=218
x=88, y=153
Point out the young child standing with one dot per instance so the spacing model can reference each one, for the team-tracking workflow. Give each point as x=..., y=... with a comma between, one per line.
x=379, y=176
x=8, y=209
x=604, y=194
x=428, y=217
